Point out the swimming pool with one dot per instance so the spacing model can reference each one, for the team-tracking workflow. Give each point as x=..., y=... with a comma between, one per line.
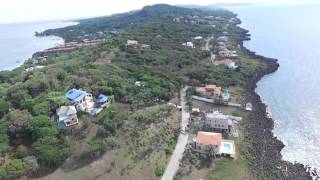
x=227, y=147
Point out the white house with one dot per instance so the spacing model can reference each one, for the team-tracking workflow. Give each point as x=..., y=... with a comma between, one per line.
x=132, y=42
x=198, y=38
x=67, y=116
x=188, y=44
x=80, y=99
x=227, y=62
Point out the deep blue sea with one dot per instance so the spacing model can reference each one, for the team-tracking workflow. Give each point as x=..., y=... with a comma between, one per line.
x=18, y=43
x=290, y=34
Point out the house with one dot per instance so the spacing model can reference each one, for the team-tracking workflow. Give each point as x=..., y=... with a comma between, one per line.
x=214, y=92
x=145, y=46
x=188, y=44
x=34, y=68
x=198, y=38
x=132, y=42
x=228, y=54
x=67, y=116
x=227, y=62
x=214, y=89
x=139, y=84
x=195, y=110
x=248, y=107
x=212, y=142
x=222, y=39
x=80, y=99
x=208, y=140
x=102, y=101
x=217, y=121
x=210, y=90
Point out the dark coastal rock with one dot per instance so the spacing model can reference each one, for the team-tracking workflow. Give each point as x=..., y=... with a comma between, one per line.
x=264, y=152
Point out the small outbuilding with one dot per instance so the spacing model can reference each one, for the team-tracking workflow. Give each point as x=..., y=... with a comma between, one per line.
x=67, y=116
x=102, y=100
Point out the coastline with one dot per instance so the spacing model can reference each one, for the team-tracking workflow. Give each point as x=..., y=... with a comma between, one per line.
x=34, y=44
x=265, y=146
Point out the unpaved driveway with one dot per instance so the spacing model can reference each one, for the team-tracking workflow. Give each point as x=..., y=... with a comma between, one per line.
x=173, y=165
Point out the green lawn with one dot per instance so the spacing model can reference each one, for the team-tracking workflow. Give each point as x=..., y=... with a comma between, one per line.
x=228, y=169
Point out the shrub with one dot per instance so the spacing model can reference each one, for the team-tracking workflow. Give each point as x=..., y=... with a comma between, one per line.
x=3, y=172
x=21, y=152
x=4, y=138
x=160, y=169
x=41, y=109
x=171, y=146
x=16, y=166
x=177, y=178
x=41, y=126
x=51, y=151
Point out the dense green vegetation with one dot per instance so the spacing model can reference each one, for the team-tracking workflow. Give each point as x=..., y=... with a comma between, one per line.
x=105, y=25
x=30, y=99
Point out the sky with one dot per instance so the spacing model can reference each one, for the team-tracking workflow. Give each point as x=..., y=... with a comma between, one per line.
x=40, y=10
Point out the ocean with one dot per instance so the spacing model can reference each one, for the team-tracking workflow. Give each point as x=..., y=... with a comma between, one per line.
x=18, y=43
x=290, y=34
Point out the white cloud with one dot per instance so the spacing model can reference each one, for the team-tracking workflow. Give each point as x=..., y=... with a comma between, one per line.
x=37, y=10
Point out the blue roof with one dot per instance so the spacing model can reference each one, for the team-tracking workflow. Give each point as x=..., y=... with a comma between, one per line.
x=75, y=94
x=102, y=98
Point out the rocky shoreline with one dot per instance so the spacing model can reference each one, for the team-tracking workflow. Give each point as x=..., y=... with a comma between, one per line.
x=264, y=148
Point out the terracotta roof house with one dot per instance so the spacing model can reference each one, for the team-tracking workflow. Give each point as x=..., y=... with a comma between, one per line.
x=209, y=138
x=207, y=142
x=214, y=89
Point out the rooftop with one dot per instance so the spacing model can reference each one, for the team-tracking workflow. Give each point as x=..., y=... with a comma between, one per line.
x=75, y=94
x=217, y=115
x=66, y=111
x=102, y=98
x=209, y=138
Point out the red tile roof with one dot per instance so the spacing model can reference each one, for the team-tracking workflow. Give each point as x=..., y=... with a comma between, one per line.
x=213, y=88
x=209, y=138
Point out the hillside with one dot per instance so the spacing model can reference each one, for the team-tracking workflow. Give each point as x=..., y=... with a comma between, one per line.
x=104, y=26
x=136, y=135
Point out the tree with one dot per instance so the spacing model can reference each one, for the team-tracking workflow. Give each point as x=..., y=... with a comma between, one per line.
x=4, y=108
x=52, y=151
x=41, y=126
x=42, y=108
